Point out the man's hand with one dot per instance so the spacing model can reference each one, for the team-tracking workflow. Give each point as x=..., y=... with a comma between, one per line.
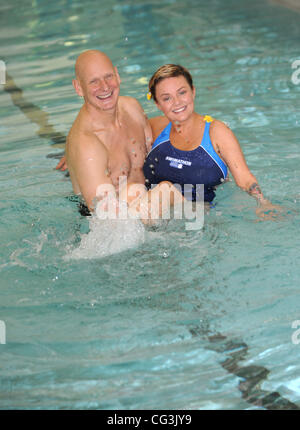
x=62, y=165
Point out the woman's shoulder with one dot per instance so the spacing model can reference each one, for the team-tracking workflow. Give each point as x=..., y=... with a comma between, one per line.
x=158, y=124
x=219, y=128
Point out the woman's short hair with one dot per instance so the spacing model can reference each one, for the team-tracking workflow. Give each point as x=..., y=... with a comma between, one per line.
x=169, y=71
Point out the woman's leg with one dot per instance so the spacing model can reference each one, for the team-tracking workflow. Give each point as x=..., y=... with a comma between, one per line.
x=151, y=205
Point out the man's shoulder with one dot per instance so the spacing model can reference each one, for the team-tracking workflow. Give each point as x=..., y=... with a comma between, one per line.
x=81, y=129
x=83, y=139
x=79, y=134
x=78, y=126
x=84, y=143
x=130, y=103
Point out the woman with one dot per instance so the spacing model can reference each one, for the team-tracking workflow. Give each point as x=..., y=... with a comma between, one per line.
x=190, y=148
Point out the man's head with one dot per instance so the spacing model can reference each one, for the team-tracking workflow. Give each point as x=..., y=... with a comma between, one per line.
x=97, y=80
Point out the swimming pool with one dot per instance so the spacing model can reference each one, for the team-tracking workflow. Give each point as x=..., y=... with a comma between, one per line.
x=179, y=320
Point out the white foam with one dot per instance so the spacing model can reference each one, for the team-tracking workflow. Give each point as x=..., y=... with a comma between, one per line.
x=107, y=237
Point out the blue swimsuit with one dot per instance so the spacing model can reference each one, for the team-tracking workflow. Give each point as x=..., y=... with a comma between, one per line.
x=199, y=166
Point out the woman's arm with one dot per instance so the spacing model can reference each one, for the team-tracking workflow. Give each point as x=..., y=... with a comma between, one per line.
x=228, y=148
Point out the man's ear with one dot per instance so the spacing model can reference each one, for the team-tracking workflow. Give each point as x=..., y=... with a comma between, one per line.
x=77, y=87
x=118, y=76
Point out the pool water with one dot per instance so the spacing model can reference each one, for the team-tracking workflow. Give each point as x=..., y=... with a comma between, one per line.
x=135, y=318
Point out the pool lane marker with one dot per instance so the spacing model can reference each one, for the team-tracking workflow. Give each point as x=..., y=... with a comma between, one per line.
x=36, y=115
x=2, y=333
x=252, y=376
x=33, y=112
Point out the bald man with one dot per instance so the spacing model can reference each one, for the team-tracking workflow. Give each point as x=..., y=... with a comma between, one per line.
x=109, y=139
x=110, y=135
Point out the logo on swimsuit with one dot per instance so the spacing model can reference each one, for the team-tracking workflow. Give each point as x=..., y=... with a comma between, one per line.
x=175, y=162
x=2, y=73
x=296, y=334
x=2, y=332
x=295, y=76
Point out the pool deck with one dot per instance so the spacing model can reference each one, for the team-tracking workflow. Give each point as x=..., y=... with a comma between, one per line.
x=291, y=4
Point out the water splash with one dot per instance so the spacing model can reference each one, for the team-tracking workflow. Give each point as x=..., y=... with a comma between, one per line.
x=107, y=237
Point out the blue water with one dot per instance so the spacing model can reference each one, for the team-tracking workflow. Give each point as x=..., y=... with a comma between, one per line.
x=154, y=325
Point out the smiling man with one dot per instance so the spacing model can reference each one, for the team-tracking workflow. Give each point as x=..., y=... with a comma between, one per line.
x=110, y=135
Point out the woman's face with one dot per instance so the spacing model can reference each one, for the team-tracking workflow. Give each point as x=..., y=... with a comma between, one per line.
x=175, y=98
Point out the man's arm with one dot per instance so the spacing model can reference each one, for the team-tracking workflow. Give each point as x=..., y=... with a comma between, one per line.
x=88, y=164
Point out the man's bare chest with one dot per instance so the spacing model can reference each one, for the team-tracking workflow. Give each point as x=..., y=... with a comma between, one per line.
x=126, y=150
